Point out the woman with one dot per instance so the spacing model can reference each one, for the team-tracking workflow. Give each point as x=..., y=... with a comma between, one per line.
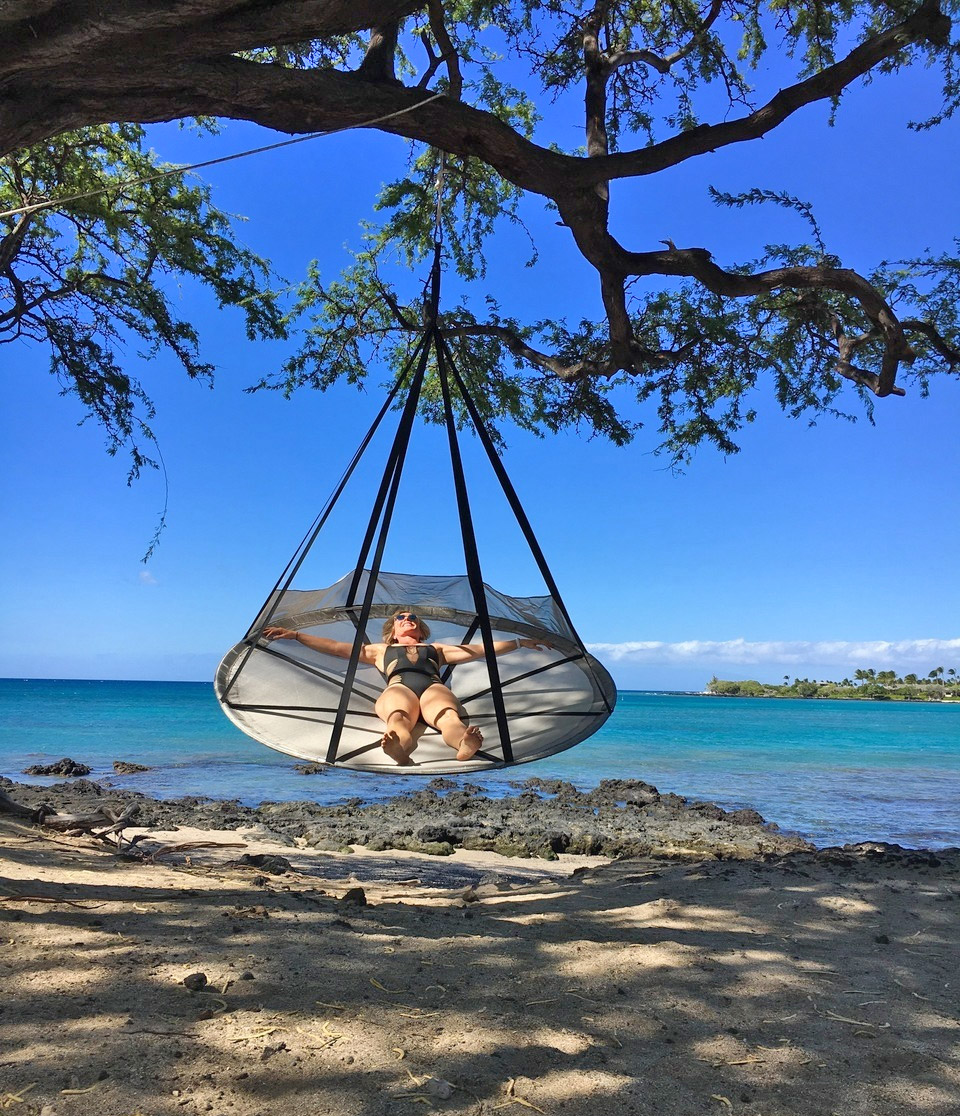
x=414, y=690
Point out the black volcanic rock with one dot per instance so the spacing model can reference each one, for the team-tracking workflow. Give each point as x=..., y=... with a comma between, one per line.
x=618, y=818
x=65, y=766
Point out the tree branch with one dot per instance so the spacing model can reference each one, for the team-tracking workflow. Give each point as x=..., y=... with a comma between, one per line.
x=42, y=103
x=927, y=24
x=10, y=244
x=664, y=64
x=949, y=353
x=378, y=62
x=564, y=369
x=696, y=263
x=148, y=32
x=448, y=52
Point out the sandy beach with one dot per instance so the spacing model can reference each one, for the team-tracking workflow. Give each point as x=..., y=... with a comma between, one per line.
x=328, y=983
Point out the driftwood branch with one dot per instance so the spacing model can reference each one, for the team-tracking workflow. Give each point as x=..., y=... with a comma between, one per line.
x=103, y=823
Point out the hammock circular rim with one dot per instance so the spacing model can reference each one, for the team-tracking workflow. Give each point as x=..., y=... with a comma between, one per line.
x=572, y=657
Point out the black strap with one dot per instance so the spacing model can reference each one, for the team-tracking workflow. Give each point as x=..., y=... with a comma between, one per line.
x=523, y=677
x=383, y=511
x=517, y=508
x=266, y=610
x=467, y=636
x=293, y=566
x=472, y=558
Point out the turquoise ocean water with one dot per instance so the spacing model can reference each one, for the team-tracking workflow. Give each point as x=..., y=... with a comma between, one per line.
x=833, y=771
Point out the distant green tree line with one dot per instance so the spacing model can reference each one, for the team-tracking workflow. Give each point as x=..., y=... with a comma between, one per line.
x=939, y=684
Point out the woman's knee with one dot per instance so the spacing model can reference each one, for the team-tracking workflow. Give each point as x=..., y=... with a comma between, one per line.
x=389, y=705
x=443, y=712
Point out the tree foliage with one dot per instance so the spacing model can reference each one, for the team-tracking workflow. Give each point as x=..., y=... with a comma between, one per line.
x=653, y=83
x=89, y=277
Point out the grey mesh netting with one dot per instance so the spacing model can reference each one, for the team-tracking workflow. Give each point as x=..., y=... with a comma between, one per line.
x=319, y=707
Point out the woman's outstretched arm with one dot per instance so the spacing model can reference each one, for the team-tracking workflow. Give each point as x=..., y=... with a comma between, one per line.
x=320, y=643
x=467, y=652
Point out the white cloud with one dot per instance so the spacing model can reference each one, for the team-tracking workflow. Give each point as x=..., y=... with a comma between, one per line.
x=848, y=654
x=147, y=578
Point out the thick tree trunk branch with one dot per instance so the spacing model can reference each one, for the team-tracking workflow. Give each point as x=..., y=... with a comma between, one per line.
x=597, y=74
x=378, y=62
x=292, y=101
x=67, y=36
x=50, y=90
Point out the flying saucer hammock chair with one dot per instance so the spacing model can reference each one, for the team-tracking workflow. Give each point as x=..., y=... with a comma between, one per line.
x=317, y=707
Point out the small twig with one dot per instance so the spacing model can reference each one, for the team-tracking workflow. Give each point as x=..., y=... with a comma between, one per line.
x=46, y=899
x=854, y=1022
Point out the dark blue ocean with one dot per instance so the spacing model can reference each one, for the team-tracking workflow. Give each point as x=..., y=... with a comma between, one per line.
x=833, y=771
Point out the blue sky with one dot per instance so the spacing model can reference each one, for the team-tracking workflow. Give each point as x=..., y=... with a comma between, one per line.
x=814, y=551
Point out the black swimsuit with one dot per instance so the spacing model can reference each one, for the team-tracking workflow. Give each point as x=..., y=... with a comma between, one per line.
x=417, y=674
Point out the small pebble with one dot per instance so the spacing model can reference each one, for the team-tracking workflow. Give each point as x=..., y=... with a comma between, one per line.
x=437, y=1087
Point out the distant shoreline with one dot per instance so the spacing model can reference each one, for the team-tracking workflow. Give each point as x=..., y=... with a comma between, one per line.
x=833, y=697
x=804, y=690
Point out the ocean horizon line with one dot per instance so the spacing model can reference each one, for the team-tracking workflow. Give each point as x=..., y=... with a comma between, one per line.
x=209, y=682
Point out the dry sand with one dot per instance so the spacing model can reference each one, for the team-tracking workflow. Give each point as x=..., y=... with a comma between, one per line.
x=802, y=986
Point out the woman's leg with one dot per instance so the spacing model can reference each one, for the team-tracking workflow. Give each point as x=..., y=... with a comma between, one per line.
x=399, y=710
x=441, y=710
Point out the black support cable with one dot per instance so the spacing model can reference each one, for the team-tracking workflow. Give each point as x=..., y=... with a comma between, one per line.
x=402, y=438
x=467, y=636
x=293, y=566
x=296, y=561
x=472, y=558
x=517, y=508
x=527, y=674
x=316, y=672
x=385, y=503
x=388, y=491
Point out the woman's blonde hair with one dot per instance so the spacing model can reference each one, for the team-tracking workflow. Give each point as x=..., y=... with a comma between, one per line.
x=388, y=624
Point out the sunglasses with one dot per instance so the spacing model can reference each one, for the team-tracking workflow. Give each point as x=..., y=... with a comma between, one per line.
x=407, y=616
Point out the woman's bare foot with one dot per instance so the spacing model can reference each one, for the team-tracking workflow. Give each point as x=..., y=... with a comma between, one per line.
x=396, y=747
x=470, y=744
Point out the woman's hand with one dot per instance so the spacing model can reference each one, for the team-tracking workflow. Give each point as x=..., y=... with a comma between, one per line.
x=532, y=644
x=278, y=633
